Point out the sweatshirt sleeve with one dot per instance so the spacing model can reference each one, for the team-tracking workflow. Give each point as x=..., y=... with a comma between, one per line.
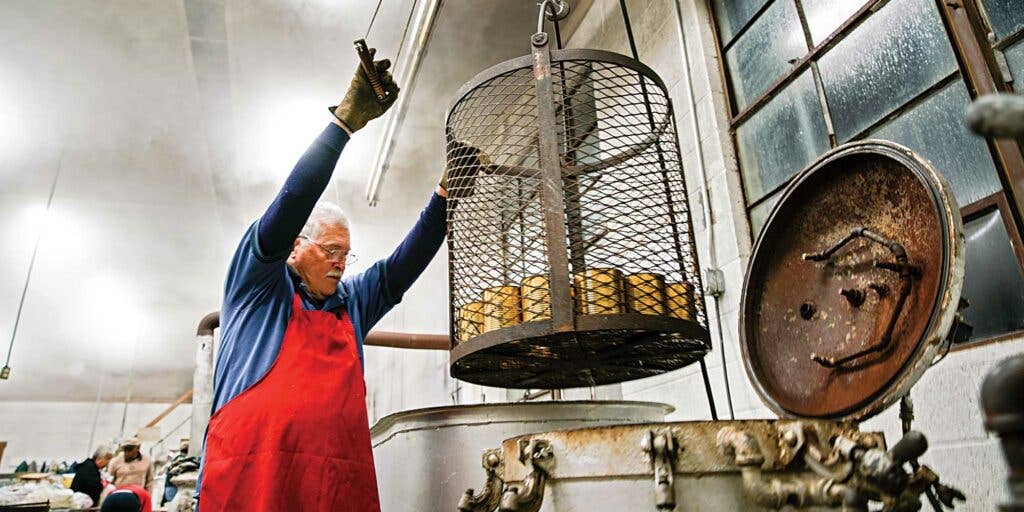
x=412, y=256
x=283, y=220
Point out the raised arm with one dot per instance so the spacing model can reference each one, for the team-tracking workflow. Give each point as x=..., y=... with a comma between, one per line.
x=412, y=256
x=281, y=223
x=419, y=246
x=283, y=220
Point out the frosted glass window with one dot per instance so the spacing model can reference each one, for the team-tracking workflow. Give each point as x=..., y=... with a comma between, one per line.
x=762, y=54
x=897, y=53
x=732, y=15
x=1015, y=58
x=993, y=283
x=1005, y=16
x=825, y=16
x=935, y=129
x=781, y=138
x=759, y=214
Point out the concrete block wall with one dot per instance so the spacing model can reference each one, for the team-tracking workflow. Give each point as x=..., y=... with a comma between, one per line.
x=659, y=34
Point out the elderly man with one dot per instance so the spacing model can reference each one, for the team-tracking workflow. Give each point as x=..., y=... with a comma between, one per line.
x=289, y=429
x=87, y=473
x=131, y=467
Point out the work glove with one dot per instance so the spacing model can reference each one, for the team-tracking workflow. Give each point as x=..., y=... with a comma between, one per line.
x=360, y=104
x=465, y=163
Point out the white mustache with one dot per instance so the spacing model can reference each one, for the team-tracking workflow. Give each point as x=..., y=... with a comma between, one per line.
x=334, y=273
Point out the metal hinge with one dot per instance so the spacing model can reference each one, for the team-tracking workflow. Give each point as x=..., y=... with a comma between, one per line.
x=490, y=495
x=662, y=447
x=1004, y=66
x=537, y=456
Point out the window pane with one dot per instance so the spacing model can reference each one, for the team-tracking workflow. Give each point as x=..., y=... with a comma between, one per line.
x=894, y=55
x=936, y=130
x=759, y=213
x=825, y=16
x=992, y=283
x=1015, y=58
x=1006, y=16
x=780, y=139
x=732, y=15
x=762, y=54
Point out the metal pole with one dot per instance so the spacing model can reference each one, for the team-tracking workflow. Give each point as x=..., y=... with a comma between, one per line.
x=5, y=373
x=552, y=199
x=668, y=196
x=712, y=263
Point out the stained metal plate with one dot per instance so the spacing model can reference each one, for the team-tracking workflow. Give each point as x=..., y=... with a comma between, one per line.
x=792, y=307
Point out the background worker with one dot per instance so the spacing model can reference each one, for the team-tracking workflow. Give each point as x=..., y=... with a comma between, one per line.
x=87, y=473
x=131, y=466
x=289, y=429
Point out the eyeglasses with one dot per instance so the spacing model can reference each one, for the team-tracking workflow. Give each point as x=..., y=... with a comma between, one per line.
x=333, y=254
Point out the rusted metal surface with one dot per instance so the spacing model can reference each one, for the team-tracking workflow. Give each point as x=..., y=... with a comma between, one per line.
x=581, y=179
x=794, y=309
x=722, y=465
x=617, y=450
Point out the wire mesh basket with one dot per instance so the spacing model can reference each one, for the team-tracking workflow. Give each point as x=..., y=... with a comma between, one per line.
x=571, y=254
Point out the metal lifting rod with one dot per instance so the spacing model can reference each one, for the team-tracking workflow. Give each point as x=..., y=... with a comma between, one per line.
x=661, y=160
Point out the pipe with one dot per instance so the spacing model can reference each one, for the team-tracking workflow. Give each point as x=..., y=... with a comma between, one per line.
x=705, y=198
x=997, y=115
x=423, y=25
x=202, y=383
x=409, y=340
x=745, y=451
x=208, y=324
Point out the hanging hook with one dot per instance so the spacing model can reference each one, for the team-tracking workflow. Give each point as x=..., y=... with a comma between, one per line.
x=561, y=5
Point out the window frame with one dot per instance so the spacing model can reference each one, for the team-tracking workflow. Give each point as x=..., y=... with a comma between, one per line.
x=977, y=67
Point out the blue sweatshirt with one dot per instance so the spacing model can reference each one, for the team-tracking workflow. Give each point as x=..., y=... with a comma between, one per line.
x=259, y=287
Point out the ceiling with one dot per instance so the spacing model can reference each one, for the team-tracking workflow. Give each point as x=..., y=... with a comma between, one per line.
x=163, y=128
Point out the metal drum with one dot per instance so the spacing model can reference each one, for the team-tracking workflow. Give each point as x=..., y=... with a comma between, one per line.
x=426, y=458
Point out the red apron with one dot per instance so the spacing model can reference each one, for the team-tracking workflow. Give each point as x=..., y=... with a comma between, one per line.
x=299, y=438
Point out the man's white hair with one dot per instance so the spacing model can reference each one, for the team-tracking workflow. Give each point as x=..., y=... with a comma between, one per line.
x=102, y=451
x=325, y=213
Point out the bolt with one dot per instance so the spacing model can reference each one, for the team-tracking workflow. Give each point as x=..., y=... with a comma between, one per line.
x=854, y=296
x=807, y=310
x=789, y=437
x=881, y=289
x=539, y=39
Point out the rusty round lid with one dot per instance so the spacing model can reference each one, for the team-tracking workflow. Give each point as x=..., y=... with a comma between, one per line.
x=853, y=283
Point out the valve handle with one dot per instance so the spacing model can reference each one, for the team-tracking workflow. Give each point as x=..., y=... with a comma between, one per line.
x=911, y=446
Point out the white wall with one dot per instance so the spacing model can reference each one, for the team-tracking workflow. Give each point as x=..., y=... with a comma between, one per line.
x=61, y=430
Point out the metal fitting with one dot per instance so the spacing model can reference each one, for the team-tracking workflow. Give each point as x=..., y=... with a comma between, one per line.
x=537, y=455
x=488, y=499
x=663, y=448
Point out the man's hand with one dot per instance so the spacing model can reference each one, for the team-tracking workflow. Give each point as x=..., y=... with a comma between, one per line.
x=465, y=163
x=360, y=104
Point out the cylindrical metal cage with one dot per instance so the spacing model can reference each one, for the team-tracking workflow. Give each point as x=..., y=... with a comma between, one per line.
x=571, y=254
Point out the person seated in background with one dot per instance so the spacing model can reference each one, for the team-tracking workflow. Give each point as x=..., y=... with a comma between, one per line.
x=87, y=474
x=181, y=463
x=131, y=467
x=128, y=498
